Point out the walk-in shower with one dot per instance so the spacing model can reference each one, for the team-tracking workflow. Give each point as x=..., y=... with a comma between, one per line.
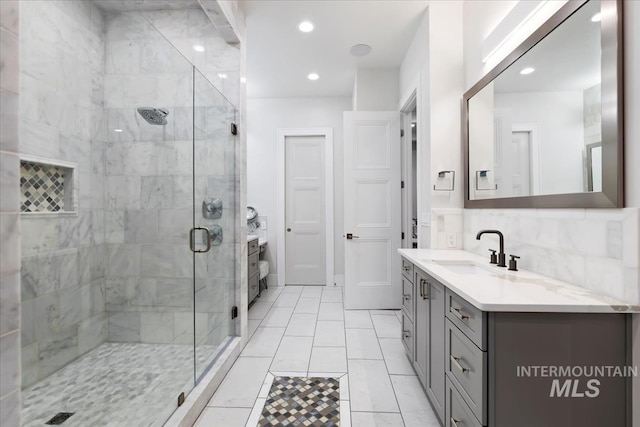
x=120, y=316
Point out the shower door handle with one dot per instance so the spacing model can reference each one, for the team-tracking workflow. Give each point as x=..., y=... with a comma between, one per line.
x=192, y=245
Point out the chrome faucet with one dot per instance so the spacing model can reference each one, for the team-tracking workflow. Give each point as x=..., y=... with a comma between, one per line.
x=501, y=255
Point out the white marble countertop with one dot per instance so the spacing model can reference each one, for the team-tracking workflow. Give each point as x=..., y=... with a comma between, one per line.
x=515, y=291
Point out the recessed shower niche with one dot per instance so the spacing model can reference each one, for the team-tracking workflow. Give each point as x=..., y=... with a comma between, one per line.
x=47, y=187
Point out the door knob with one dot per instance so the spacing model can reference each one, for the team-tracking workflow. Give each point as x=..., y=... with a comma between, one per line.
x=288, y=230
x=351, y=236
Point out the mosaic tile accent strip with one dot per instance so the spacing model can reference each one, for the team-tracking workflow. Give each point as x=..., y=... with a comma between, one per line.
x=41, y=187
x=302, y=401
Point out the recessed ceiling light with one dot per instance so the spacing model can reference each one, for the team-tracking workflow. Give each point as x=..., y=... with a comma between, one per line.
x=222, y=75
x=243, y=79
x=305, y=26
x=117, y=130
x=313, y=76
x=198, y=48
x=597, y=17
x=527, y=70
x=360, y=49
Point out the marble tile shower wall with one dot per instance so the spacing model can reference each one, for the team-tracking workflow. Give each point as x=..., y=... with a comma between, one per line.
x=219, y=63
x=149, y=211
x=61, y=114
x=10, y=394
x=593, y=248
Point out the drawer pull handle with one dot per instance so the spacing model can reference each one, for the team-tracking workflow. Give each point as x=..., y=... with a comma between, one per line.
x=423, y=292
x=406, y=334
x=407, y=297
x=456, y=362
x=456, y=312
x=454, y=422
x=406, y=267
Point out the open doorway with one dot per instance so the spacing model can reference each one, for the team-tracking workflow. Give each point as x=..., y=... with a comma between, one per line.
x=409, y=142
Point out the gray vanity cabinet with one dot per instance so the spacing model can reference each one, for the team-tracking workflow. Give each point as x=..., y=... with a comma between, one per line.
x=253, y=270
x=421, y=326
x=579, y=340
x=470, y=361
x=408, y=309
x=435, y=385
x=429, y=359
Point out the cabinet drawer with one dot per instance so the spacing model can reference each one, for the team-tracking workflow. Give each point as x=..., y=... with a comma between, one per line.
x=458, y=413
x=253, y=264
x=254, y=286
x=408, y=296
x=252, y=246
x=408, y=333
x=466, y=367
x=407, y=270
x=469, y=319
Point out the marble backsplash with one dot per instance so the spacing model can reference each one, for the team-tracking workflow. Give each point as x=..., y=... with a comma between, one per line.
x=597, y=249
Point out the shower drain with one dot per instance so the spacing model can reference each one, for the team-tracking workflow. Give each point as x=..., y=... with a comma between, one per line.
x=59, y=418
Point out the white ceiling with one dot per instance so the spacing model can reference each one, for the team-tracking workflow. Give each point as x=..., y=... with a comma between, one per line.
x=279, y=56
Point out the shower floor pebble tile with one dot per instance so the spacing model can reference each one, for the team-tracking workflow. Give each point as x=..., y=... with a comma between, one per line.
x=115, y=385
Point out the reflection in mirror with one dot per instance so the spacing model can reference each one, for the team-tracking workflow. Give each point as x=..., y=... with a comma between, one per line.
x=594, y=167
x=536, y=128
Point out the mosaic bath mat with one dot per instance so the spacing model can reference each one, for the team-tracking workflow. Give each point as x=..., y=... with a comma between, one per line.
x=302, y=401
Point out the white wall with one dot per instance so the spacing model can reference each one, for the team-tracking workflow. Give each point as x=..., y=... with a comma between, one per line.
x=376, y=90
x=414, y=77
x=434, y=64
x=632, y=101
x=264, y=117
x=594, y=248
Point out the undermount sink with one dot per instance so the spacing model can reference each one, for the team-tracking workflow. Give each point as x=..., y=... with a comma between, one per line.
x=465, y=267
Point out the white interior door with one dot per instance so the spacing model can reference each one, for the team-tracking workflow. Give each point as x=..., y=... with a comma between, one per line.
x=521, y=163
x=372, y=209
x=305, y=237
x=502, y=156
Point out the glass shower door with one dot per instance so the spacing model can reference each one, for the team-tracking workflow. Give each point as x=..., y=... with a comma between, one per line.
x=215, y=212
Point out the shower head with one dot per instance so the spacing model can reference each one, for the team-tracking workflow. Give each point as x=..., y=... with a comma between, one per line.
x=154, y=116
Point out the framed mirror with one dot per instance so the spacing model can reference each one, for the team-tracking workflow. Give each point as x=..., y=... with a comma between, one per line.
x=543, y=129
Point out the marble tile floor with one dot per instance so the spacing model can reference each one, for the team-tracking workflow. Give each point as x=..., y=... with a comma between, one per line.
x=116, y=384
x=305, y=331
